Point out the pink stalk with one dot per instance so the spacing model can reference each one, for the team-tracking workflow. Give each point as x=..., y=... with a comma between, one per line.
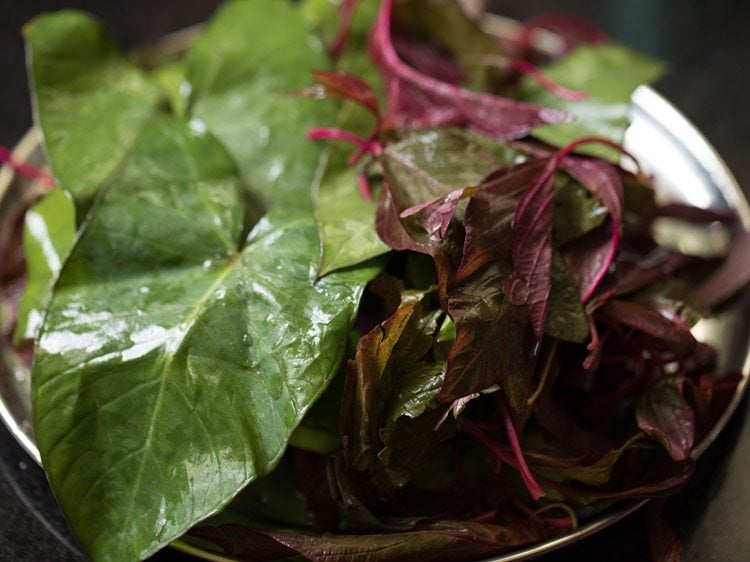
x=517, y=118
x=531, y=484
x=615, y=213
x=516, y=460
x=525, y=67
x=364, y=187
x=476, y=432
x=365, y=146
x=27, y=170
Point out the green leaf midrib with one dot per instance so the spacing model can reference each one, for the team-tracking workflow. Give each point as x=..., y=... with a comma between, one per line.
x=169, y=358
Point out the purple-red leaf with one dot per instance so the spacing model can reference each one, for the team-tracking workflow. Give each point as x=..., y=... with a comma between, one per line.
x=441, y=541
x=346, y=86
x=670, y=332
x=665, y=415
x=435, y=215
x=412, y=92
x=489, y=214
x=531, y=283
x=494, y=344
x=604, y=183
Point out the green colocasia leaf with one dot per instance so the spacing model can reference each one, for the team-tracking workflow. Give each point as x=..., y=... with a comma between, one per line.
x=242, y=69
x=176, y=358
x=610, y=74
x=346, y=221
x=89, y=103
x=49, y=231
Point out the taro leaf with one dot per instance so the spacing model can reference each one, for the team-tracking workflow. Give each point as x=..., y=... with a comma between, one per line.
x=173, y=366
x=392, y=377
x=89, y=102
x=49, y=231
x=610, y=74
x=242, y=69
x=443, y=541
x=566, y=319
x=346, y=221
x=665, y=415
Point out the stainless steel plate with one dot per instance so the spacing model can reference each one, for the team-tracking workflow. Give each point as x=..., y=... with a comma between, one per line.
x=685, y=167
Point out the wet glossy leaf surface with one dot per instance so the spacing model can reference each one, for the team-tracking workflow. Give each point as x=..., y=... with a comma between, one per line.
x=175, y=359
x=90, y=103
x=242, y=69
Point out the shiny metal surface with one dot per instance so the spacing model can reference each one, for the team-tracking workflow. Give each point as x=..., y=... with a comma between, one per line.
x=684, y=166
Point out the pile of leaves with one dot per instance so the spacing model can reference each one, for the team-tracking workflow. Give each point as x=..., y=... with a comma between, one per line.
x=459, y=337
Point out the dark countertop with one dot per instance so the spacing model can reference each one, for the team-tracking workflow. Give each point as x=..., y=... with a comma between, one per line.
x=708, y=49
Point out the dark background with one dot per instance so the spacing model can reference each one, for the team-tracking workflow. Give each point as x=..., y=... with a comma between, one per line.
x=707, y=45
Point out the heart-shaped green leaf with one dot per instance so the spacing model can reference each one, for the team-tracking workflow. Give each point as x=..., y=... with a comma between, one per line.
x=90, y=103
x=176, y=359
x=243, y=69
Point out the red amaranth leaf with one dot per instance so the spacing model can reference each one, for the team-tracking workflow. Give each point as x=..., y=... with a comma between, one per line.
x=532, y=249
x=346, y=86
x=604, y=183
x=532, y=230
x=652, y=323
x=664, y=414
x=489, y=214
x=435, y=215
x=428, y=60
x=389, y=227
x=411, y=91
x=514, y=458
x=437, y=541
